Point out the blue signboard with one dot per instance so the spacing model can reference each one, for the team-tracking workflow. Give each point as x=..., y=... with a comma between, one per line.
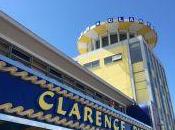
x=28, y=94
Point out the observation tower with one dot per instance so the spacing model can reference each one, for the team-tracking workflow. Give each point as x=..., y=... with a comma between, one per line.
x=120, y=52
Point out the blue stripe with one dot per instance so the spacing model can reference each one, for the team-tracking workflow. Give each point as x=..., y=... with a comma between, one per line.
x=42, y=76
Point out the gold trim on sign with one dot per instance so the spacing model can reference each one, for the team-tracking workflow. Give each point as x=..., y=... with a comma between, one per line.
x=7, y=107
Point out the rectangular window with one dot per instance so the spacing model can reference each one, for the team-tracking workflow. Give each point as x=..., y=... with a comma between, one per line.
x=4, y=48
x=116, y=57
x=39, y=65
x=92, y=64
x=88, y=65
x=90, y=92
x=112, y=59
x=108, y=60
x=131, y=35
x=80, y=87
x=113, y=38
x=135, y=51
x=20, y=54
x=97, y=44
x=95, y=63
x=53, y=73
x=105, y=41
x=68, y=80
x=98, y=95
x=122, y=36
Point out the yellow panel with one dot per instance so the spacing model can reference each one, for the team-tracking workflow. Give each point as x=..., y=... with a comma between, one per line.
x=152, y=40
x=82, y=47
x=117, y=74
x=124, y=25
x=85, y=39
x=140, y=76
x=142, y=96
x=82, y=51
x=101, y=29
x=141, y=85
x=144, y=30
x=138, y=67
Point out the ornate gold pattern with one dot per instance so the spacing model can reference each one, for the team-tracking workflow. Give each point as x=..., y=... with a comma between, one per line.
x=19, y=110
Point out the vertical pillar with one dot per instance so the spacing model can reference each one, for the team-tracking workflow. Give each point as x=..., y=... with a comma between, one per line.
x=131, y=69
x=100, y=39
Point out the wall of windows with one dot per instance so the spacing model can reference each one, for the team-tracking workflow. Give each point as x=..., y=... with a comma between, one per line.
x=110, y=39
x=135, y=52
x=92, y=64
x=107, y=60
x=161, y=96
x=112, y=59
x=105, y=41
x=113, y=38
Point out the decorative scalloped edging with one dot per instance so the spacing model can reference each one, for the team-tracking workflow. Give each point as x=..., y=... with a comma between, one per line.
x=58, y=90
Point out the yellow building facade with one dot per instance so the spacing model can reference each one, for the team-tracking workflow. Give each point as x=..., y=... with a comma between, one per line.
x=120, y=52
x=117, y=73
x=111, y=39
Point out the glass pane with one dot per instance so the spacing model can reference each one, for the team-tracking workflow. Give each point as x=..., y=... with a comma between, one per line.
x=95, y=63
x=131, y=35
x=20, y=54
x=116, y=57
x=113, y=38
x=135, y=51
x=108, y=60
x=88, y=65
x=92, y=64
x=54, y=72
x=122, y=36
x=97, y=44
x=105, y=41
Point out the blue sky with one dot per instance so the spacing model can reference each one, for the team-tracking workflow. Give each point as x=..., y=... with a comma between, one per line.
x=61, y=22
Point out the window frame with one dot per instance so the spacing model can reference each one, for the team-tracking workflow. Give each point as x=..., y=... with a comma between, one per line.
x=112, y=34
x=102, y=43
x=111, y=59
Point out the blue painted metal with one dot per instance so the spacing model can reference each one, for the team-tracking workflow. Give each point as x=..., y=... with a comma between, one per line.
x=20, y=92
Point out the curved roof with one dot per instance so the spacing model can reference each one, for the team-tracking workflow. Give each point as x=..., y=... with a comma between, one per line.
x=93, y=32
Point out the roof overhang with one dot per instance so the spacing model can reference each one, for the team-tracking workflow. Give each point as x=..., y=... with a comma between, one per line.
x=23, y=38
x=137, y=27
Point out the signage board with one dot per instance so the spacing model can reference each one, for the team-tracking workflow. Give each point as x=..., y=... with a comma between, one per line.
x=30, y=95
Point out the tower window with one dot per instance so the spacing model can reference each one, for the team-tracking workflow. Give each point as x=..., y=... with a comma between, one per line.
x=97, y=44
x=112, y=59
x=87, y=65
x=116, y=57
x=113, y=38
x=92, y=64
x=95, y=63
x=105, y=41
x=131, y=35
x=108, y=60
x=135, y=51
x=122, y=36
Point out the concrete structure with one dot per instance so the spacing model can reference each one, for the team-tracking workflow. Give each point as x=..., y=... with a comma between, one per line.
x=25, y=56
x=121, y=53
